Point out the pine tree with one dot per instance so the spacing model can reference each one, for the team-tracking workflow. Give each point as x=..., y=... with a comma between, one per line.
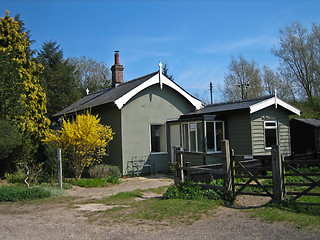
x=58, y=78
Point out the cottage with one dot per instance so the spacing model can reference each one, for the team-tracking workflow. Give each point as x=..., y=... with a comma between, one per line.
x=305, y=135
x=252, y=127
x=137, y=111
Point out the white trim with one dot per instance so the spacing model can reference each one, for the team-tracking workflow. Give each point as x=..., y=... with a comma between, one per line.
x=165, y=137
x=155, y=80
x=271, y=127
x=271, y=101
x=215, y=136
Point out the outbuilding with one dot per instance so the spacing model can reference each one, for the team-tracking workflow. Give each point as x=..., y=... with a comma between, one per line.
x=252, y=126
x=305, y=135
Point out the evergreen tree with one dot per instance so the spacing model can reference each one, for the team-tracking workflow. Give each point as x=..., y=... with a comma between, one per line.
x=58, y=78
x=165, y=72
x=23, y=102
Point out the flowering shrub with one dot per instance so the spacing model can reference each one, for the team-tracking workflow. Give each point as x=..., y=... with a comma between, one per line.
x=83, y=140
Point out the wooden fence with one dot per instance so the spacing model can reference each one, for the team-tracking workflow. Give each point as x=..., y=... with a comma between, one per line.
x=254, y=170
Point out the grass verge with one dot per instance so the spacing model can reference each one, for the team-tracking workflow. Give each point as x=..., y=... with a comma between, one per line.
x=302, y=217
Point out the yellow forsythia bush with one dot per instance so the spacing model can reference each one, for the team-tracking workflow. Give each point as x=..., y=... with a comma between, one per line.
x=83, y=140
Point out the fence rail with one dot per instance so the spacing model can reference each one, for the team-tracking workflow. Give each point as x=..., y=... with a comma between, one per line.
x=253, y=171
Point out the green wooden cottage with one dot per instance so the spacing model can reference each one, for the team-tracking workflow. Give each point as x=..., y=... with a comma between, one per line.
x=251, y=126
x=137, y=111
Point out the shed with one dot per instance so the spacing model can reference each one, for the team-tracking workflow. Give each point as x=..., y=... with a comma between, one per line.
x=252, y=126
x=305, y=135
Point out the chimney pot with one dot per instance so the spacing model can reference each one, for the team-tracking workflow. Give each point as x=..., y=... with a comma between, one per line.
x=117, y=71
x=116, y=58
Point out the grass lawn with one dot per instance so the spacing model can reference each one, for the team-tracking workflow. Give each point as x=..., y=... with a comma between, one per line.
x=302, y=217
x=155, y=210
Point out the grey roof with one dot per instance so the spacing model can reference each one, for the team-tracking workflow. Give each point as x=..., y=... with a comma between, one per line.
x=309, y=121
x=105, y=96
x=228, y=106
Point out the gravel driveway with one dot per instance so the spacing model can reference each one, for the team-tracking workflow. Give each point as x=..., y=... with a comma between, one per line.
x=56, y=220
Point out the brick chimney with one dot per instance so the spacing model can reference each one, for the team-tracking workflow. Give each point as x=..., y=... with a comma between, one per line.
x=117, y=71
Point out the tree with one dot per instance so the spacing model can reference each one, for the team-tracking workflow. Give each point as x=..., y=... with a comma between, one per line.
x=23, y=101
x=58, y=78
x=91, y=74
x=165, y=72
x=243, y=80
x=20, y=80
x=273, y=80
x=83, y=141
x=299, y=58
x=10, y=143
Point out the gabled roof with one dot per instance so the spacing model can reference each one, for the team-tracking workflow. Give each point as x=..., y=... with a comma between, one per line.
x=121, y=94
x=251, y=105
x=309, y=121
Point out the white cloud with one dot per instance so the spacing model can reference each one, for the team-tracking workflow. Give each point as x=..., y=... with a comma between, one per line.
x=227, y=47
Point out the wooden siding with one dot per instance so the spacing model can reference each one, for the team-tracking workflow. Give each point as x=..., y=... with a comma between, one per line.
x=238, y=132
x=257, y=129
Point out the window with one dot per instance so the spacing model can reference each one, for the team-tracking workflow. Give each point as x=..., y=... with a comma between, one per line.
x=192, y=137
x=214, y=133
x=158, y=138
x=270, y=133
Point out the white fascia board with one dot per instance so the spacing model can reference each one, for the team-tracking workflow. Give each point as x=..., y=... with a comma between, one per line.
x=288, y=106
x=272, y=101
x=156, y=80
x=195, y=102
x=125, y=98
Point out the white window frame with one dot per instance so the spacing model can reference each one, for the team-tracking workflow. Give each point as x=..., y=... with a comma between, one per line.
x=165, y=137
x=215, y=136
x=270, y=127
x=195, y=129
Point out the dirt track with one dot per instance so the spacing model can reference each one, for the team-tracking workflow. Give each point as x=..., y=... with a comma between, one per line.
x=56, y=220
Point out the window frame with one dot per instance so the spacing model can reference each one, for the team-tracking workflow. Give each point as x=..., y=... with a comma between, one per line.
x=204, y=135
x=195, y=130
x=215, y=136
x=265, y=127
x=164, y=138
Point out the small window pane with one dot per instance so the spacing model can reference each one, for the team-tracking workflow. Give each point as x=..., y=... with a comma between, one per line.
x=219, y=134
x=271, y=137
x=270, y=124
x=185, y=137
x=210, y=137
x=193, y=142
x=200, y=137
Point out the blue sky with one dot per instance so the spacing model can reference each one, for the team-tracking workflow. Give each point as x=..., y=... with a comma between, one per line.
x=195, y=38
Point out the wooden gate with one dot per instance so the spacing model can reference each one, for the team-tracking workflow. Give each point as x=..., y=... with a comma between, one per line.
x=256, y=175
x=298, y=183
x=250, y=175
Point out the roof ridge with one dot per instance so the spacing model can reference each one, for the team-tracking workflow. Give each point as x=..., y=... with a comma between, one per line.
x=139, y=78
x=110, y=88
x=240, y=101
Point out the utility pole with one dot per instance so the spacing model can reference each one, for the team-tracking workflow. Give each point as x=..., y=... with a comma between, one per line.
x=211, y=92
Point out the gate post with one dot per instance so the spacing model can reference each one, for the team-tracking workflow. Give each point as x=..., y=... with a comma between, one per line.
x=277, y=174
x=226, y=164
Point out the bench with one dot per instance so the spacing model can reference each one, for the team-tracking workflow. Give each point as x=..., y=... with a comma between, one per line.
x=138, y=163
